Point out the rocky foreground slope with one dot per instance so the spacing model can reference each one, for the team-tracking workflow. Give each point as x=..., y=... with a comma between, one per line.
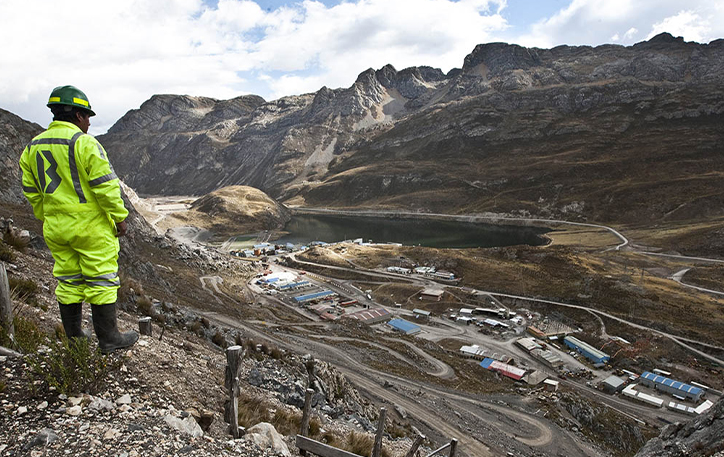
x=609, y=133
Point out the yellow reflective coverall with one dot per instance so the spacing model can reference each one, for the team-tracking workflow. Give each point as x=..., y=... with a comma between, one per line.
x=71, y=185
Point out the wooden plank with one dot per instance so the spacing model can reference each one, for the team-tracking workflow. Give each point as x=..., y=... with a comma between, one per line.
x=377, y=448
x=6, y=304
x=321, y=449
x=438, y=450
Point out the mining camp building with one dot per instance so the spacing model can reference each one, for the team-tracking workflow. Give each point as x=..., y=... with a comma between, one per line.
x=664, y=384
x=370, y=316
x=432, y=294
x=401, y=325
x=590, y=352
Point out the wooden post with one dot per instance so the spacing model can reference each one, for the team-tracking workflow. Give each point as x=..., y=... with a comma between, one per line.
x=144, y=326
x=453, y=447
x=234, y=355
x=377, y=449
x=415, y=445
x=309, y=365
x=306, y=416
x=6, y=304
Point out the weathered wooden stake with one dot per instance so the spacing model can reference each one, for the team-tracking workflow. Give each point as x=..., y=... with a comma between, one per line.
x=144, y=326
x=415, y=445
x=453, y=447
x=6, y=304
x=377, y=449
x=234, y=355
x=309, y=365
x=306, y=416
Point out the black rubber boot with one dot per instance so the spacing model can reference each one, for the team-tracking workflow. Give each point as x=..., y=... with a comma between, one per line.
x=72, y=317
x=106, y=327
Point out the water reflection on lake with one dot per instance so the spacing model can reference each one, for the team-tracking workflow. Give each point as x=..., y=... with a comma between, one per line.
x=431, y=233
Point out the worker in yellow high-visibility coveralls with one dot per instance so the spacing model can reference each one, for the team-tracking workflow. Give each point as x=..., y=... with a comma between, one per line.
x=71, y=185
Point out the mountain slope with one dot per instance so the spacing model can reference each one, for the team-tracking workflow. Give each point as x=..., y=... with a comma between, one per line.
x=610, y=133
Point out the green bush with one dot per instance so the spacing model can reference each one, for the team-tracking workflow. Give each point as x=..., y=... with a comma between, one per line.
x=70, y=366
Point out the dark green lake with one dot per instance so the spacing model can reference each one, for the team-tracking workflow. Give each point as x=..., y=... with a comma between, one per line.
x=303, y=229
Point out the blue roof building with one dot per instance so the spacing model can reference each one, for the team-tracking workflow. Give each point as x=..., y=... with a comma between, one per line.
x=401, y=325
x=315, y=296
x=588, y=351
x=293, y=285
x=665, y=384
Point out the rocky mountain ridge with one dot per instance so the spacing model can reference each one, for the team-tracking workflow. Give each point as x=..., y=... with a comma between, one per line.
x=610, y=133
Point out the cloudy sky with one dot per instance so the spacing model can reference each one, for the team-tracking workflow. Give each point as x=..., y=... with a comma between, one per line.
x=121, y=52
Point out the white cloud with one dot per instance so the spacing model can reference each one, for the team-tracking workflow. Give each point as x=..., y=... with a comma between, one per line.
x=686, y=23
x=594, y=22
x=122, y=52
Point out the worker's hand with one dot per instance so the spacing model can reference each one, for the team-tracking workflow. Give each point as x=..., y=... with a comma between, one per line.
x=121, y=228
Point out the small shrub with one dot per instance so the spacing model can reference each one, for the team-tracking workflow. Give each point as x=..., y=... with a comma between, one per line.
x=219, y=339
x=359, y=443
x=195, y=327
x=70, y=366
x=145, y=306
x=6, y=253
x=24, y=289
x=27, y=336
x=129, y=288
x=286, y=421
x=59, y=331
x=3, y=386
x=276, y=353
x=12, y=239
x=253, y=410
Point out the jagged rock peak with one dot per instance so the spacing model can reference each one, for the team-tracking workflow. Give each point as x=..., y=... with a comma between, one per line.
x=177, y=112
x=500, y=57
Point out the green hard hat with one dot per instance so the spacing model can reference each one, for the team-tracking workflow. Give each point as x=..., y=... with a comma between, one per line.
x=70, y=96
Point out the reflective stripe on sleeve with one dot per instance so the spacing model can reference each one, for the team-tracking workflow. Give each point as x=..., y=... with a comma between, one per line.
x=102, y=179
x=30, y=190
x=74, y=168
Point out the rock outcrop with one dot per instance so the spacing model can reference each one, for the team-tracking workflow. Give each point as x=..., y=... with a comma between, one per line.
x=702, y=436
x=15, y=134
x=237, y=209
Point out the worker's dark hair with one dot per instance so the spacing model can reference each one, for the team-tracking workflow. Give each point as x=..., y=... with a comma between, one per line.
x=65, y=113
